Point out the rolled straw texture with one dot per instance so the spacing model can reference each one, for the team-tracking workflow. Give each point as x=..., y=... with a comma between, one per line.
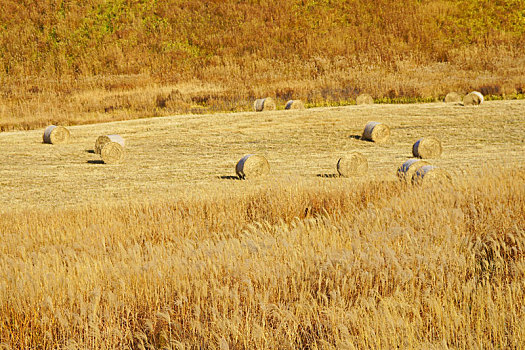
x=364, y=99
x=102, y=140
x=376, y=132
x=453, y=97
x=427, y=147
x=409, y=168
x=112, y=152
x=56, y=134
x=252, y=166
x=352, y=164
x=473, y=99
x=294, y=104
x=264, y=104
x=430, y=174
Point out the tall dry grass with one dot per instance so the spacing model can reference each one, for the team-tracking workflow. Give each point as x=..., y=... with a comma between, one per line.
x=381, y=265
x=73, y=61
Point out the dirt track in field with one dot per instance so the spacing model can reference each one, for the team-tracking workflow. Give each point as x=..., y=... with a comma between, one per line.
x=175, y=156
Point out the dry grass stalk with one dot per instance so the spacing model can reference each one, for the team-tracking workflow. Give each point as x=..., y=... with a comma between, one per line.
x=102, y=140
x=473, y=99
x=364, y=99
x=376, y=132
x=427, y=147
x=264, y=104
x=252, y=166
x=112, y=152
x=430, y=174
x=453, y=97
x=352, y=164
x=294, y=104
x=56, y=134
x=409, y=168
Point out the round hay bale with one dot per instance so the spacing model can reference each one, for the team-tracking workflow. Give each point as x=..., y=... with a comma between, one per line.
x=376, y=132
x=427, y=147
x=294, y=104
x=352, y=164
x=251, y=166
x=409, y=168
x=56, y=134
x=102, y=140
x=264, y=104
x=112, y=152
x=430, y=174
x=473, y=99
x=453, y=97
x=364, y=99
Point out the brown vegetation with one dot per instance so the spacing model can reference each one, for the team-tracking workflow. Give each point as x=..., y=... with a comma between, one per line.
x=72, y=62
x=380, y=265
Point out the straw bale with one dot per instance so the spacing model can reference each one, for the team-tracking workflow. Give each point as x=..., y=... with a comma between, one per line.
x=427, y=147
x=294, y=104
x=264, y=104
x=430, y=174
x=364, y=99
x=453, y=97
x=473, y=99
x=251, y=166
x=352, y=164
x=112, y=152
x=376, y=132
x=409, y=168
x=102, y=140
x=56, y=134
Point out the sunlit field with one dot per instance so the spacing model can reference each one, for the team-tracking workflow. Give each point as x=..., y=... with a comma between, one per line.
x=168, y=249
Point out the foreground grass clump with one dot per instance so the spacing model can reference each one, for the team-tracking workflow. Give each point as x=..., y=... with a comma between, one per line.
x=381, y=265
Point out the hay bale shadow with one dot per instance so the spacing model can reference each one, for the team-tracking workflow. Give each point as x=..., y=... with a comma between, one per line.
x=92, y=151
x=229, y=177
x=355, y=137
x=96, y=161
x=330, y=176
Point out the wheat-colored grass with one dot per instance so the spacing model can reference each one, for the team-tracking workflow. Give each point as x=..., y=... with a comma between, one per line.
x=289, y=261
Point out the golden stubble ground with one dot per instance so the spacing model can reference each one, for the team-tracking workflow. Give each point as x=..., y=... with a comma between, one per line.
x=176, y=156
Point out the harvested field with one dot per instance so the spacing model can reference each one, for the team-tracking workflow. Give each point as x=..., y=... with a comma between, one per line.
x=169, y=154
x=168, y=249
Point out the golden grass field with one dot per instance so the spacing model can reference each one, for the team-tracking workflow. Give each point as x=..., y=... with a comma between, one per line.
x=168, y=250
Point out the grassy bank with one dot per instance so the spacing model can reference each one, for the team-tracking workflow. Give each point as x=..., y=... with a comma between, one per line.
x=74, y=62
